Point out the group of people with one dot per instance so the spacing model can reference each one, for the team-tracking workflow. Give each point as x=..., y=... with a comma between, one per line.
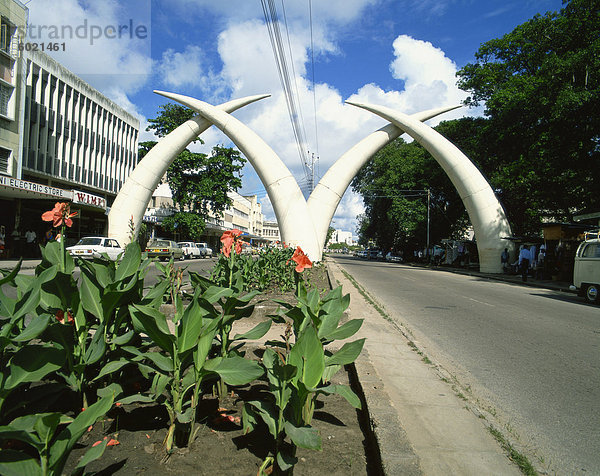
x=527, y=260
x=22, y=245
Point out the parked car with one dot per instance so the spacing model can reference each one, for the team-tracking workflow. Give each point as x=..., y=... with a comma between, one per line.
x=190, y=250
x=205, y=250
x=164, y=249
x=586, y=273
x=96, y=247
x=393, y=258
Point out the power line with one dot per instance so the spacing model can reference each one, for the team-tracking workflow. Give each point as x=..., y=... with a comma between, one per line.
x=292, y=101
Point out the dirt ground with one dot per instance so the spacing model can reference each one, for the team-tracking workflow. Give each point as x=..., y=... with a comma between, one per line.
x=221, y=448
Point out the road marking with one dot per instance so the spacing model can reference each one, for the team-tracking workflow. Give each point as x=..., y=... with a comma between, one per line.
x=480, y=302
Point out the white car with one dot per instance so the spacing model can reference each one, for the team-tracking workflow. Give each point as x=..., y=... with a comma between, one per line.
x=205, y=250
x=190, y=250
x=96, y=247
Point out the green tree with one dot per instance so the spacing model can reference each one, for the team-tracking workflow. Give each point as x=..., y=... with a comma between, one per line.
x=199, y=183
x=541, y=87
x=394, y=188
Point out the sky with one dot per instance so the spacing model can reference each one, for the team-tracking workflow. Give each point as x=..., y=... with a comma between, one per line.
x=397, y=53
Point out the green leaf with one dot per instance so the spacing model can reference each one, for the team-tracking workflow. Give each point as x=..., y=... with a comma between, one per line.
x=91, y=297
x=215, y=293
x=344, y=391
x=92, y=454
x=285, y=460
x=17, y=463
x=163, y=362
x=114, y=389
x=190, y=327
x=32, y=363
x=268, y=413
x=96, y=348
x=67, y=438
x=111, y=367
x=304, y=437
x=138, y=398
x=37, y=325
x=308, y=355
x=347, y=354
x=344, y=331
x=123, y=339
x=154, y=324
x=236, y=370
x=130, y=262
x=205, y=344
x=255, y=333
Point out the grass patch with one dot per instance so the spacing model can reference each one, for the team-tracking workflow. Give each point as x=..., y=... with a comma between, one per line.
x=519, y=459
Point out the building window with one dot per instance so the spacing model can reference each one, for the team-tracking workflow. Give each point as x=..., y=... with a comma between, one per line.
x=4, y=160
x=5, y=95
x=6, y=36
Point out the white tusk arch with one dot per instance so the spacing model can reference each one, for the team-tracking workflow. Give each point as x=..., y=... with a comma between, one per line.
x=326, y=196
x=290, y=207
x=133, y=198
x=485, y=212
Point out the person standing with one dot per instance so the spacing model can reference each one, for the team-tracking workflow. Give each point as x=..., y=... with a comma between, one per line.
x=524, y=260
x=504, y=257
x=30, y=237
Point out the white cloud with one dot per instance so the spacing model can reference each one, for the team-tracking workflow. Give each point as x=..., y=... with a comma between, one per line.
x=99, y=45
x=181, y=68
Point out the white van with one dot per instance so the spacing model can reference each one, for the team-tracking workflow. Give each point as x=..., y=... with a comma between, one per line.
x=586, y=274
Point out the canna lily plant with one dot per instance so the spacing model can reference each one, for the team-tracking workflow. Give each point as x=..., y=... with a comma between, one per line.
x=299, y=369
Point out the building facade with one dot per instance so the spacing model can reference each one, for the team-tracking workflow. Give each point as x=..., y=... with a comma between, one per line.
x=60, y=140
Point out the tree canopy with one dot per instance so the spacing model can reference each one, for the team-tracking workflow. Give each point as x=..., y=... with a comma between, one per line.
x=541, y=87
x=538, y=144
x=394, y=186
x=200, y=183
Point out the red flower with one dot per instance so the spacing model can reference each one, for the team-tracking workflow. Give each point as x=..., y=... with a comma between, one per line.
x=238, y=247
x=59, y=214
x=228, y=238
x=301, y=260
x=60, y=317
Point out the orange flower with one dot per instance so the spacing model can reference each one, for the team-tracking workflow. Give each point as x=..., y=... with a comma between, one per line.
x=301, y=260
x=111, y=442
x=228, y=238
x=59, y=214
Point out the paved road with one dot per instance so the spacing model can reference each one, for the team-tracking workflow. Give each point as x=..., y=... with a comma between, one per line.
x=529, y=355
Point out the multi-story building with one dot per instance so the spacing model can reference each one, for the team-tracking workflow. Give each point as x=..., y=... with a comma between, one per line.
x=339, y=236
x=245, y=214
x=60, y=140
x=271, y=231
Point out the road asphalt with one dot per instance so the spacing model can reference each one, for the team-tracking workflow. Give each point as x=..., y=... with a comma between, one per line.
x=421, y=424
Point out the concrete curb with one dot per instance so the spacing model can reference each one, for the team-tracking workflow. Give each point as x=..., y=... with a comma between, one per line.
x=386, y=437
x=395, y=451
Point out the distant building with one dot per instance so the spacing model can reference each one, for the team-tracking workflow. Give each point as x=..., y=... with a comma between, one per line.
x=339, y=236
x=271, y=231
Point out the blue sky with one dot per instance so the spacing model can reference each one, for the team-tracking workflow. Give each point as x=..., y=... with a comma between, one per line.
x=399, y=53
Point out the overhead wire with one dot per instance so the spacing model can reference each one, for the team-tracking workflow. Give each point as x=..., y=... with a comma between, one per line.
x=272, y=22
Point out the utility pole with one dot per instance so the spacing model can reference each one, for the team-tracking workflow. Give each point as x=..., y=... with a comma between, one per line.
x=428, y=203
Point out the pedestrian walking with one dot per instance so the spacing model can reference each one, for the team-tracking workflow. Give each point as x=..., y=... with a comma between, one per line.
x=504, y=257
x=524, y=260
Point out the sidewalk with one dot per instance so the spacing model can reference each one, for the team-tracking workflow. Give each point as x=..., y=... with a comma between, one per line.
x=421, y=425
x=562, y=286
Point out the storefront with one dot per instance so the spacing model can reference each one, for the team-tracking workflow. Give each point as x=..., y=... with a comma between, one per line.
x=22, y=203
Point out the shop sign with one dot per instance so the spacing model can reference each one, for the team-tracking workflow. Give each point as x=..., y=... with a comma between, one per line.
x=35, y=187
x=152, y=219
x=88, y=199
